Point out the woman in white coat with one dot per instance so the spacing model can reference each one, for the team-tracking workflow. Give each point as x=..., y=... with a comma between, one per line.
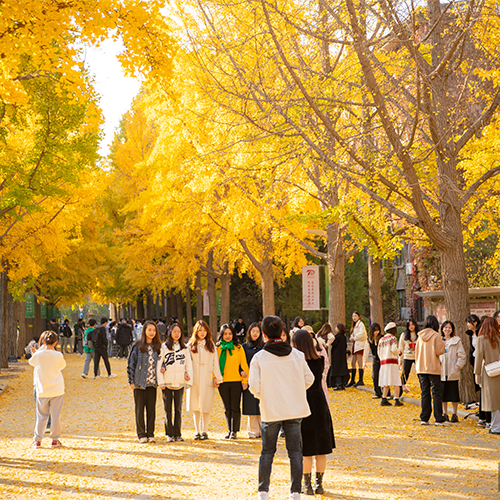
x=358, y=336
x=206, y=377
x=452, y=361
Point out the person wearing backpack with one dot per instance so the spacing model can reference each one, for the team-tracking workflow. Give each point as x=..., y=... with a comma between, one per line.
x=64, y=336
x=88, y=348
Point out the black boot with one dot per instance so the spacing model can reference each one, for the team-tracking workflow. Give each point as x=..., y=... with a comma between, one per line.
x=318, y=486
x=307, y=489
x=353, y=377
x=360, y=381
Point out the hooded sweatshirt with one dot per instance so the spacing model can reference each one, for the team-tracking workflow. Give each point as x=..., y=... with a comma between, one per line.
x=429, y=347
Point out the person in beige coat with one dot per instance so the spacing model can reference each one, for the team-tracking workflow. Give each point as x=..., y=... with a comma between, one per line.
x=488, y=351
x=452, y=361
x=206, y=377
x=429, y=347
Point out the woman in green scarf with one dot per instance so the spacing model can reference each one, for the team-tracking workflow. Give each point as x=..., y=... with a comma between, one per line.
x=234, y=370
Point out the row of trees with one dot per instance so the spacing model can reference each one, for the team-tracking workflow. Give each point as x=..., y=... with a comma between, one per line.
x=291, y=129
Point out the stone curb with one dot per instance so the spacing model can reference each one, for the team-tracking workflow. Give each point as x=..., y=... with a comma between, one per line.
x=416, y=402
x=3, y=388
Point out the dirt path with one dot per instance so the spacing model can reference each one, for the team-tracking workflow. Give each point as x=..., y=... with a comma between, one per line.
x=382, y=453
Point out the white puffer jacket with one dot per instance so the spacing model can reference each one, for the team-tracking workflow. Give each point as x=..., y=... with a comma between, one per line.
x=453, y=360
x=177, y=363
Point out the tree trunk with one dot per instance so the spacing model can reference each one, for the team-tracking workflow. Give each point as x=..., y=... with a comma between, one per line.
x=163, y=305
x=4, y=321
x=267, y=276
x=456, y=301
x=336, y=275
x=212, y=298
x=375, y=292
x=189, y=310
x=149, y=305
x=12, y=327
x=140, y=307
x=199, y=297
x=225, y=283
x=112, y=312
x=180, y=308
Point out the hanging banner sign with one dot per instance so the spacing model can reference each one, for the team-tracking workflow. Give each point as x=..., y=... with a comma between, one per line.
x=310, y=288
x=206, y=308
x=29, y=305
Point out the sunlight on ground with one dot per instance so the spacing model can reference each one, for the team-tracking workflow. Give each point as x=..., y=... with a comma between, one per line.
x=382, y=453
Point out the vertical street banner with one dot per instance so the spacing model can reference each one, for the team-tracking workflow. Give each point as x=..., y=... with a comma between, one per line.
x=206, y=308
x=310, y=288
x=29, y=305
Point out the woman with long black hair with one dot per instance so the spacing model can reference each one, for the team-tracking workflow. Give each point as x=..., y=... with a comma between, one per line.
x=407, y=343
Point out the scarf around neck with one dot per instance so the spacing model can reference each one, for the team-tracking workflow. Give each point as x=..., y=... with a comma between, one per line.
x=224, y=348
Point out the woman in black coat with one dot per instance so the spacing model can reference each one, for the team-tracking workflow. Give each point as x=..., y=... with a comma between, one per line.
x=374, y=335
x=338, y=370
x=316, y=429
x=252, y=346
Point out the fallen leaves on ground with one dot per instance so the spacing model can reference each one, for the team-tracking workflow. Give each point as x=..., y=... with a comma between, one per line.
x=382, y=452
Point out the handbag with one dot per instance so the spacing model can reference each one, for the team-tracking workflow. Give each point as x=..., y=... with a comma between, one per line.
x=492, y=369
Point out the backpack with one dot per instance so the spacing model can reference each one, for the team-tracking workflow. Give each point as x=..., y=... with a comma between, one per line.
x=66, y=331
x=89, y=340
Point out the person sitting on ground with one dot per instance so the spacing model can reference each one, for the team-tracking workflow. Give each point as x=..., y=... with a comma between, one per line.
x=388, y=352
x=279, y=378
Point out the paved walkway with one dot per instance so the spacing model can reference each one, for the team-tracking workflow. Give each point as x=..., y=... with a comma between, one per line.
x=382, y=453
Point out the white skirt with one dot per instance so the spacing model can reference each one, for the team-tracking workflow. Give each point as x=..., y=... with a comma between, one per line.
x=389, y=375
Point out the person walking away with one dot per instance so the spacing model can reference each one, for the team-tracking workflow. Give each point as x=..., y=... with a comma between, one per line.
x=407, y=343
x=64, y=337
x=254, y=343
x=88, y=349
x=49, y=382
x=327, y=336
x=79, y=333
x=374, y=336
x=316, y=429
x=124, y=338
x=234, y=370
x=175, y=371
x=100, y=343
x=388, y=352
x=427, y=351
x=142, y=378
x=279, y=378
x=206, y=377
x=487, y=353
x=358, y=335
x=452, y=361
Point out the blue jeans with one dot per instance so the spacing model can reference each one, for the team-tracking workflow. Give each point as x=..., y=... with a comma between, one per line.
x=293, y=439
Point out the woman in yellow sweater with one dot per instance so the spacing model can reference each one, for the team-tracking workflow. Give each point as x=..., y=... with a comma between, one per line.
x=234, y=370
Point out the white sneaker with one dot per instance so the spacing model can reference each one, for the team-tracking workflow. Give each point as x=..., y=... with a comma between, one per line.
x=84, y=376
x=442, y=424
x=263, y=495
x=113, y=375
x=294, y=496
x=143, y=440
x=151, y=440
x=170, y=439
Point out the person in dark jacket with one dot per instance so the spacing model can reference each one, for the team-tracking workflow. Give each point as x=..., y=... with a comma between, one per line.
x=124, y=338
x=339, y=370
x=100, y=343
x=143, y=380
x=374, y=335
x=254, y=343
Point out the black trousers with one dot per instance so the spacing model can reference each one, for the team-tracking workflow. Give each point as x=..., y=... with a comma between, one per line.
x=101, y=352
x=430, y=383
x=174, y=396
x=375, y=375
x=407, y=364
x=145, y=399
x=123, y=351
x=230, y=392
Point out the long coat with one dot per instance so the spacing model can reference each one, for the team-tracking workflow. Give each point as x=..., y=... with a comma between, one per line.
x=250, y=402
x=339, y=358
x=490, y=386
x=200, y=396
